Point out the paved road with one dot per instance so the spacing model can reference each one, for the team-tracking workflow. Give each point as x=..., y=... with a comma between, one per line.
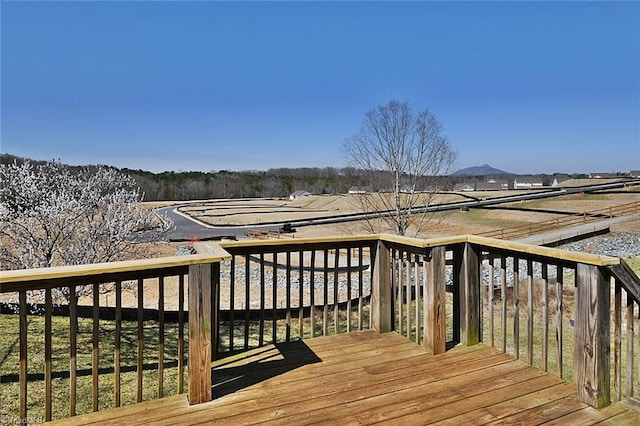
x=190, y=229
x=187, y=228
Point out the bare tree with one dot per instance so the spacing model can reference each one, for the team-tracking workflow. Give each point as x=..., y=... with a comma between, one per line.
x=52, y=215
x=400, y=156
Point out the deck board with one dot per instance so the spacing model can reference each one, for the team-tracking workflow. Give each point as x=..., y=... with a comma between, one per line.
x=368, y=378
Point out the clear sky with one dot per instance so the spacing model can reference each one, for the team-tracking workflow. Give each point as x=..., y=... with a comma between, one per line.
x=528, y=87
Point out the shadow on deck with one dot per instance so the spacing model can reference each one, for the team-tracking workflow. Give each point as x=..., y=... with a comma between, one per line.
x=366, y=378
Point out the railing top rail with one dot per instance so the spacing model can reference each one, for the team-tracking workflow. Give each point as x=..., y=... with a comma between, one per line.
x=547, y=252
x=9, y=280
x=423, y=243
x=90, y=271
x=297, y=241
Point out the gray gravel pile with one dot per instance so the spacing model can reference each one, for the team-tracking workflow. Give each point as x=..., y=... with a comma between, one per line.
x=617, y=245
x=281, y=280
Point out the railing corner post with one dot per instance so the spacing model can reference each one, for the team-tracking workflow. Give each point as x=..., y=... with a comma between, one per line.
x=591, y=359
x=467, y=283
x=381, y=294
x=435, y=338
x=200, y=336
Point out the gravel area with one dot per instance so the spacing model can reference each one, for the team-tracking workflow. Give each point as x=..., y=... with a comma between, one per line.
x=617, y=245
x=620, y=244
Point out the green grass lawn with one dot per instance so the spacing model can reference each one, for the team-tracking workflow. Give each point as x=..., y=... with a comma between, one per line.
x=9, y=361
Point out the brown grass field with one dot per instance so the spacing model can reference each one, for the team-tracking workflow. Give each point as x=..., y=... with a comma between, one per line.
x=243, y=212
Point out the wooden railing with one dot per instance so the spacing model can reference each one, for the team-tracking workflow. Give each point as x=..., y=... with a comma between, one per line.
x=281, y=290
x=91, y=338
x=570, y=219
x=549, y=307
x=563, y=312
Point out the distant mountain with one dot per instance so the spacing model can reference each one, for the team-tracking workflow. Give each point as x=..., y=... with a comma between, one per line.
x=483, y=170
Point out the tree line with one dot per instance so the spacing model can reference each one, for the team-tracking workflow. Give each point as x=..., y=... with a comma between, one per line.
x=193, y=185
x=281, y=182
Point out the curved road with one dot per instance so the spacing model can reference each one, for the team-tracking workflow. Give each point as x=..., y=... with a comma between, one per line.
x=187, y=228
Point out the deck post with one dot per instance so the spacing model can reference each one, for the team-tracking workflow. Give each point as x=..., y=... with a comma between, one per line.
x=381, y=297
x=200, y=283
x=467, y=276
x=435, y=336
x=591, y=360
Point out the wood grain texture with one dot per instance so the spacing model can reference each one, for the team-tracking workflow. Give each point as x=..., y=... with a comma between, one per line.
x=381, y=296
x=371, y=378
x=469, y=290
x=199, y=333
x=591, y=361
x=435, y=337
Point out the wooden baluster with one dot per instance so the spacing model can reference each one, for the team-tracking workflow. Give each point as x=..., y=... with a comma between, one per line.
x=247, y=298
x=262, y=297
x=457, y=267
x=530, y=311
x=407, y=289
x=371, y=271
x=416, y=276
x=181, y=334
x=336, y=265
x=161, y=336
x=140, y=352
x=559, y=319
x=312, y=293
x=48, y=403
x=22, y=372
x=516, y=307
x=215, y=310
x=117, y=338
x=73, y=349
x=490, y=302
x=348, y=289
x=397, y=263
x=300, y=294
x=95, y=350
x=503, y=301
x=288, y=280
x=274, y=300
x=232, y=301
x=360, y=290
x=545, y=316
x=325, y=312
x=617, y=340
x=630, y=327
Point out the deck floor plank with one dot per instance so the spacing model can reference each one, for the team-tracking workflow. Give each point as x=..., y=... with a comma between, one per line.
x=368, y=378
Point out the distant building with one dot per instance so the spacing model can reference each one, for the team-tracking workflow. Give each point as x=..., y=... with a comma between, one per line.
x=493, y=185
x=527, y=182
x=357, y=190
x=635, y=173
x=557, y=180
x=603, y=175
x=298, y=194
x=464, y=187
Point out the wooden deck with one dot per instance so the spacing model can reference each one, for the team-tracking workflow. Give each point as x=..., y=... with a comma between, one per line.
x=366, y=378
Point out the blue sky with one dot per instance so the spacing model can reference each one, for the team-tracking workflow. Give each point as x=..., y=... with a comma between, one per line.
x=528, y=87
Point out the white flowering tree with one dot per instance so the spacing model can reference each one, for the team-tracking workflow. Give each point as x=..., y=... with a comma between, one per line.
x=53, y=215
